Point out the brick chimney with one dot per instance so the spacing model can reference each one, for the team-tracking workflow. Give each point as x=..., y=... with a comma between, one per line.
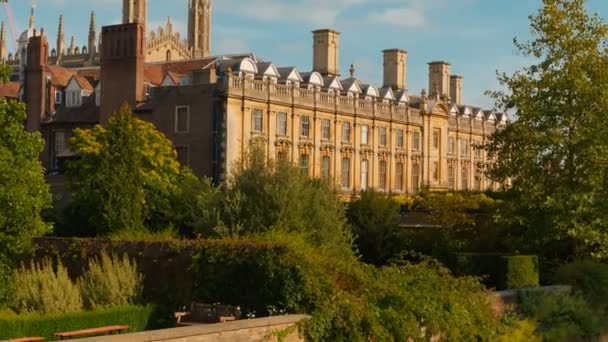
x=35, y=82
x=122, y=67
x=395, y=69
x=326, y=52
x=439, y=79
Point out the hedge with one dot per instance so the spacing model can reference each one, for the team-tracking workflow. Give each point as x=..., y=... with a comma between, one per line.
x=138, y=318
x=498, y=271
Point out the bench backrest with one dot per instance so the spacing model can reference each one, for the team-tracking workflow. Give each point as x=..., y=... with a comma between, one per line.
x=211, y=313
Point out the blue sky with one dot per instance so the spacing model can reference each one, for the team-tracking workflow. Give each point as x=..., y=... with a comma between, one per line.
x=474, y=35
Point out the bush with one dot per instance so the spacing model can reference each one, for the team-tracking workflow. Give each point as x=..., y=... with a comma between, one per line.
x=348, y=300
x=589, y=278
x=561, y=316
x=43, y=289
x=499, y=271
x=110, y=281
x=138, y=318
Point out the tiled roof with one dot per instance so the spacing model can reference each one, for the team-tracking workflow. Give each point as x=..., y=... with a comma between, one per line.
x=83, y=82
x=60, y=77
x=10, y=90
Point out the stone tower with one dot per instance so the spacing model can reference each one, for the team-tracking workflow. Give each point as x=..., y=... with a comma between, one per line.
x=439, y=79
x=326, y=48
x=135, y=11
x=199, y=27
x=92, y=38
x=456, y=89
x=2, y=43
x=60, y=40
x=395, y=69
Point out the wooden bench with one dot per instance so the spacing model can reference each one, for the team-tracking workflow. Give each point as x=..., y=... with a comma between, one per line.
x=207, y=313
x=27, y=339
x=95, y=331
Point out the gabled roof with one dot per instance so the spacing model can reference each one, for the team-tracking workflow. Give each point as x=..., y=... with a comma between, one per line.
x=465, y=111
x=313, y=78
x=386, y=93
x=351, y=84
x=246, y=64
x=370, y=90
x=402, y=96
x=268, y=69
x=82, y=82
x=290, y=74
x=332, y=82
x=489, y=115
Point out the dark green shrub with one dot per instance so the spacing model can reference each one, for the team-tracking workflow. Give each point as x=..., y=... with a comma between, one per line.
x=561, y=316
x=588, y=277
x=14, y=326
x=498, y=271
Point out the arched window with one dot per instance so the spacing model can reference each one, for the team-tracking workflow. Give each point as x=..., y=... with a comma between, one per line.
x=168, y=56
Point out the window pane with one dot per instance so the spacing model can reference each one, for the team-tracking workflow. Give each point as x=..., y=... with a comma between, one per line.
x=382, y=136
x=326, y=129
x=305, y=126
x=304, y=163
x=451, y=147
x=436, y=171
x=346, y=132
x=400, y=138
x=465, y=178
x=364, y=135
x=181, y=119
x=325, y=167
x=436, y=135
x=416, y=177
x=364, y=165
x=257, y=120
x=399, y=176
x=382, y=175
x=59, y=145
x=345, y=173
x=282, y=124
x=451, y=177
x=416, y=141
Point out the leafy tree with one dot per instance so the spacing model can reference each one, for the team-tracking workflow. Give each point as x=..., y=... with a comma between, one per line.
x=125, y=171
x=554, y=154
x=23, y=190
x=374, y=218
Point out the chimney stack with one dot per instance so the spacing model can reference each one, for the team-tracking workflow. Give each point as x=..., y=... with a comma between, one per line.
x=35, y=87
x=122, y=67
x=456, y=89
x=439, y=79
x=395, y=69
x=326, y=48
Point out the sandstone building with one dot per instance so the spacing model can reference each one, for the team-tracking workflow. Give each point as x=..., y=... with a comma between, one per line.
x=357, y=135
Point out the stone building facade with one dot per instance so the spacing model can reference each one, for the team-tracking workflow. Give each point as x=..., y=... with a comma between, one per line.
x=357, y=135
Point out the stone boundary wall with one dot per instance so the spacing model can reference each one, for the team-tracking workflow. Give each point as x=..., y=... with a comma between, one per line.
x=255, y=330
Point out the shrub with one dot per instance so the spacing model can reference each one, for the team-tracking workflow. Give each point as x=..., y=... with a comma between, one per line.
x=524, y=331
x=588, y=277
x=138, y=318
x=45, y=289
x=561, y=316
x=110, y=281
x=499, y=271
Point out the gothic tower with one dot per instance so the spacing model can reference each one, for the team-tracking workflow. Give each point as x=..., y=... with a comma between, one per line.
x=92, y=39
x=60, y=40
x=135, y=11
x=2, y=43
x=199, y=27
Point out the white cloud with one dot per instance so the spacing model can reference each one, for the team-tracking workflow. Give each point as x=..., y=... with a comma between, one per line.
x=404, y=17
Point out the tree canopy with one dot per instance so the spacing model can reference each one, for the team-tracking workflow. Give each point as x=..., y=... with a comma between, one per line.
x=124, y=171
x=555, y=153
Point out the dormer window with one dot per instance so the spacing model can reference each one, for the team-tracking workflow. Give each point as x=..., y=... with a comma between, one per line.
x=58, y=96
x=74, y=98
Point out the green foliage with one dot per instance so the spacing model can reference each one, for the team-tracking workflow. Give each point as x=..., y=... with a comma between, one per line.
x=499, y=271
x=453, y=208
x=138, y=318
x=348, y=300
x=524, y=331
x=554, y=153
x=374, y=219
x=561, y=316
x=5, y=73
x=126, y=170
x=110, y=281
x=45, y=288
x=23, y=190
x=590, y=279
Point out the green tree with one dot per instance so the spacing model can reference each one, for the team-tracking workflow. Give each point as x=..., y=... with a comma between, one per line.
x=555, y=153
x=125, y=171
x=23, y=190
x=374, y=218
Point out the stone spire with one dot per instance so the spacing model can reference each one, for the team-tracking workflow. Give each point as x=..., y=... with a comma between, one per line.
x=60, y=40
x=32, y=20
x=72, y=48
x=2, y=43
x=199, y=27
x=92, y=38
x=169, y=26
